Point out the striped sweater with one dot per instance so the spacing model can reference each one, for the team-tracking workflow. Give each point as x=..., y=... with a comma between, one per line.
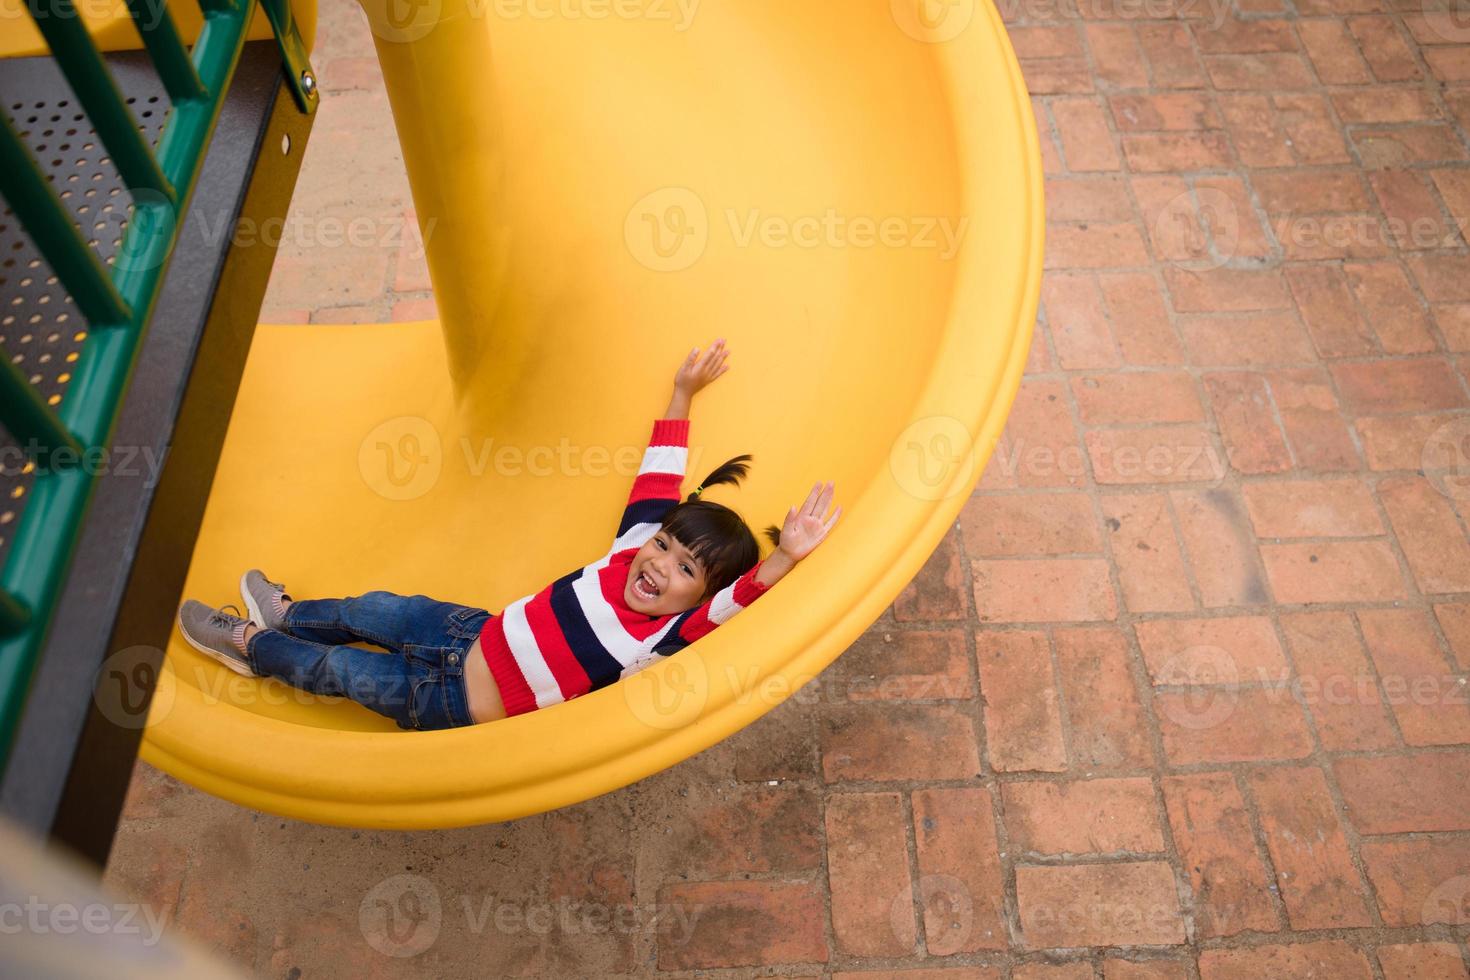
x=577, y=634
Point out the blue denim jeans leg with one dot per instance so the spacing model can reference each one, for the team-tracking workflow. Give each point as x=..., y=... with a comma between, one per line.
x=419, y=683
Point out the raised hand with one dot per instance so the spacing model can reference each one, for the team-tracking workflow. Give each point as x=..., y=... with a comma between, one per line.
x=805, y=528
x=696, y=372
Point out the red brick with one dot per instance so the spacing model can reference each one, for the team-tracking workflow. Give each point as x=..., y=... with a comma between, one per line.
x=1132, y=904
x=890, y=740
x=357, y=313
x=1056, y=76
x=1422, y=961
x=1034, y=524
x=942, y=973
x=1256, y=338
x=1312, y=508
x=1376, y=387
x=903, y=665
x=1226, y=207
x=938, y=591
x=1314, y=426
x=1078, y=324
x=1177, y=152
x=1259, y=133
x=1227, y=290
x=1328, y=309
x=1023, y=726
x=412, y=310
x=1316, y=139
x=1397, y=443
x=1150, y=566
x=868, y=872
x=1402, y=794
x=1093, y=816
x=1045, y=42
x=1072, y=970
x=1144, y=970
x=1448, y=64
x=1334, y=54
x=1140, y=324
x=1157, y=454
x=1453, y=320
x=1333, y=571
x=1420, y=881
x=1094, y=246
x=1429, y=534
x=1040, y=447
x=1258, y=72
x=1405, y=146
x=1414, y=219
x=1232, y=36
x=744, y=923
x=1228, y=650
x=1331, y=958
x=1086, y=142
x=1213, y=725
x=1444, y=278
x=1332, y=236
x=1155, y=396
x=962, y=881
x=1311, y=191
x=1336, y=682
x=1043, y=590
x=1188, y=111
x=1242, y=405
x=1393, y=310
x=1103, y=711
x=1385, y=49
x=1175, y=229
x=1454, y=620
x=1454, y=188
x=1170, y=51
x=1384, y=105
x=1428, y=701
x=1219, y=547
x=1038, y=358
x=1212, y=830
x=1087, y=199
x=1116, y=56
x=1309, y=850
x=1051, y=156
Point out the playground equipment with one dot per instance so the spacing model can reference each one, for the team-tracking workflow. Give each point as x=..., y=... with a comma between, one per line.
x=850, y=194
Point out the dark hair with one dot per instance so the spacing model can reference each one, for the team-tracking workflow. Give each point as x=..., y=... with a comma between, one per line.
x=717, y=536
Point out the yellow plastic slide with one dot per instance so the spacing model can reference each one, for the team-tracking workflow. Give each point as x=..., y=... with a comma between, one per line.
x=849, y=192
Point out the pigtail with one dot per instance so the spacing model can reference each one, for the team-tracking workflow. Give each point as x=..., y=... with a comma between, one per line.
x=774, y=533
x=731, y=472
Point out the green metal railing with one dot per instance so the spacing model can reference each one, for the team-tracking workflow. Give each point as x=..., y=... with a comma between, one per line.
x=117, y=301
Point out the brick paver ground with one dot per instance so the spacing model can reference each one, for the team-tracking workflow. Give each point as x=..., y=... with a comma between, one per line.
x=1183, y=694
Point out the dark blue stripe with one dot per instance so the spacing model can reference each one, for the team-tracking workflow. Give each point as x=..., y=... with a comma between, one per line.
x=672, y=641
x=650, y=511
x=601, y=666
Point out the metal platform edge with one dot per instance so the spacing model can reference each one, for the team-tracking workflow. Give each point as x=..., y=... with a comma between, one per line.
x=77, y=739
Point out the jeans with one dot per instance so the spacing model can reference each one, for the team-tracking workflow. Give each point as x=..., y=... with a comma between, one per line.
x=420, y=684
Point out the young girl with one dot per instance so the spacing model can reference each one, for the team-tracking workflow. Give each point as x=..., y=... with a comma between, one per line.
x=674, y=572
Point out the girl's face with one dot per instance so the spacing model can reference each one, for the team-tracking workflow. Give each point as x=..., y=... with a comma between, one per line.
x=664, y=579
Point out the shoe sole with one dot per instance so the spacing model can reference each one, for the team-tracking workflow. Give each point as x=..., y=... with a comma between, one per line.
x=215, y=655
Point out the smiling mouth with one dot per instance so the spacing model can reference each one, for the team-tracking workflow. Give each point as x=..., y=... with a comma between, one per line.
x=644, y=588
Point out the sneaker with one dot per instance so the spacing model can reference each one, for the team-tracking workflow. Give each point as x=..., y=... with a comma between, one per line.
x=263, y=598
x=215, y=633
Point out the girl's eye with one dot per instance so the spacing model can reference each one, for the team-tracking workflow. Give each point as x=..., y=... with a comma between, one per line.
x=687, y=570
